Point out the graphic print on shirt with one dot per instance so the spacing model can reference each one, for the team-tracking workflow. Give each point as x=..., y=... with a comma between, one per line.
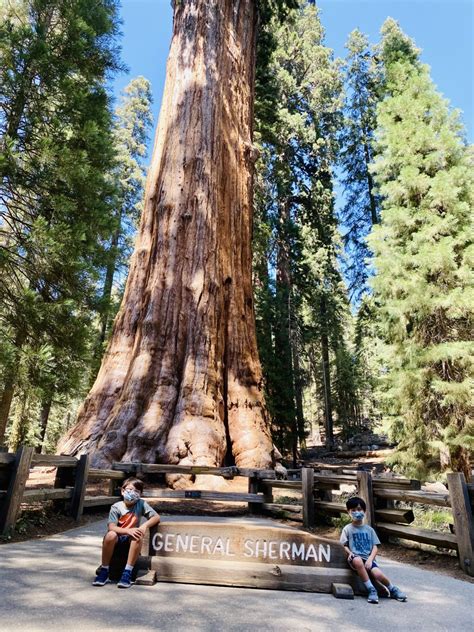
x=128, y=521
x=362, y=541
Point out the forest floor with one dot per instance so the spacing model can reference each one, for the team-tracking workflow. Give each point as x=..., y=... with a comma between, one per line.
x=42, y=520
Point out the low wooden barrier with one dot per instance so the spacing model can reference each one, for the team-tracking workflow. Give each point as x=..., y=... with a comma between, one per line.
x=379, y=494
x=74, y=474
x=70, y=484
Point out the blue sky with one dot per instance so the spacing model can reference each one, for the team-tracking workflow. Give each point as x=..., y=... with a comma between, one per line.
x=443, y=29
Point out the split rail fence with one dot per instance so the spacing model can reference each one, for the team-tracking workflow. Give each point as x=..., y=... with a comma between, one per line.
x=73, y=475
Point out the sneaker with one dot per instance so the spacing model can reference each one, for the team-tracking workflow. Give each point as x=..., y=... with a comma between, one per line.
x=373, y=596
x=102, y=577
x=397, y=594
x=125, y=580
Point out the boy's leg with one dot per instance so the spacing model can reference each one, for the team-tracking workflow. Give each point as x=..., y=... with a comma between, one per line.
x=133, y=553
x=381, y=581
x=393, y=591
x=358, y=565
x=108, y=546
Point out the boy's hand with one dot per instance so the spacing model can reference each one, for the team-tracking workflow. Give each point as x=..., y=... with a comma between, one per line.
x=368, y=564
x=350, y=557
x=135, y=533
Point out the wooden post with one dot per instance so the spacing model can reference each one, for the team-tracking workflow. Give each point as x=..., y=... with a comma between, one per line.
x=364, y=480
x=16, y=487
x=463, y=520
x=267, y=493
x=80, y=484
x=65, y=477
x=253, y=489
x=113, y=484
x=307, y=483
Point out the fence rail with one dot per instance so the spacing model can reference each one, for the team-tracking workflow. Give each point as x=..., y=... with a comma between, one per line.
x=73, y=475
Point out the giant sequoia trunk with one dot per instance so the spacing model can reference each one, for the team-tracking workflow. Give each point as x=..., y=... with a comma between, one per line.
x=181, y=379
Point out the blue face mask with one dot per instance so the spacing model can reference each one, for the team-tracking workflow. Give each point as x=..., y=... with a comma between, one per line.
x=131, y=496
x=357, y=515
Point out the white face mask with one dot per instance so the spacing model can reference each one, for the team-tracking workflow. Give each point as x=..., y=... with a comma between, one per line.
x=357, y=515
x=131, y=495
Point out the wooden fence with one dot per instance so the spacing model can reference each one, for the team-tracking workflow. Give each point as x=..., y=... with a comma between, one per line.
x=380, y=493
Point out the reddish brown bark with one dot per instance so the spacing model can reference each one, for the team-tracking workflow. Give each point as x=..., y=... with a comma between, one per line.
x=181, y=379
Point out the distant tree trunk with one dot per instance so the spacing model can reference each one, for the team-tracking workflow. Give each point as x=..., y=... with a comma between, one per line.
x=108, y=285
x=285, y=397
x=43, y=421
x=298, y=388
x=370, y=187
x=6, y=402
x=326, y=379
x=106, y=298
x=181, y=380
x=9, y=384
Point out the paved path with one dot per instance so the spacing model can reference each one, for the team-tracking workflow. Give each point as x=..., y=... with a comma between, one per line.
x=45, y=585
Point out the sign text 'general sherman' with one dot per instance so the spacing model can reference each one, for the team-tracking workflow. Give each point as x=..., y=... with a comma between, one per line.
x=263, y=549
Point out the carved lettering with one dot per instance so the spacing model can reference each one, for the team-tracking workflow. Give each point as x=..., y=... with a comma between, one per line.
x=259, y=548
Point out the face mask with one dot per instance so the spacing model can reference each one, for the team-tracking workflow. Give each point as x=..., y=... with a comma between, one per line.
x=131, y=496
x=357, y=515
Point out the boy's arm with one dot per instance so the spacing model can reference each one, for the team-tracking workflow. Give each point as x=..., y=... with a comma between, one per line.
x=371, y=557
x=121, y=530
x=112, y=525
x=151, y=522
x=350, y=554
x=344, y=540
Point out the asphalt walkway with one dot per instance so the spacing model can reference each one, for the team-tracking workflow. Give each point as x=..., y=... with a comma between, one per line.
x=45, y=585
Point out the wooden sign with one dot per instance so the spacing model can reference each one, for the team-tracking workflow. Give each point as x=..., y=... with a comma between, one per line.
x=253, y=553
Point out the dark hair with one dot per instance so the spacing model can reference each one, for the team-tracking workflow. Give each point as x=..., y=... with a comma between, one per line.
x=136, y=482
x=354, y=501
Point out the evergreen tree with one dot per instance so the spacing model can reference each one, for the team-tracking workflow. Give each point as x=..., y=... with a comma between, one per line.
x=133, y=120
x=423, y=260
x=296, y=203
x=55, y=150
x=362, y=204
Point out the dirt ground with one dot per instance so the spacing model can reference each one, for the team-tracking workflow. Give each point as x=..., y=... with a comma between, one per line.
x=43, y=520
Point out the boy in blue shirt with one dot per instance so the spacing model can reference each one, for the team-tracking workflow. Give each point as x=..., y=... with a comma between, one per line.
x=360, y=543
x=124, y=529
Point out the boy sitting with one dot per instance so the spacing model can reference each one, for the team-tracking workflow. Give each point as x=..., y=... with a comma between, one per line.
x=360, y=543
x=124, y=529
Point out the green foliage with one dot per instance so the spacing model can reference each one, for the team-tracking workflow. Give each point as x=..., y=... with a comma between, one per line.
x=361, y=210
x=56, y=198
x=299, y=292
x=132, y=123
x=423, y=259
x=341, y=521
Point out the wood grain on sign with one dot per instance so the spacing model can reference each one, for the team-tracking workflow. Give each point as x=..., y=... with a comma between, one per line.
x=245, y=554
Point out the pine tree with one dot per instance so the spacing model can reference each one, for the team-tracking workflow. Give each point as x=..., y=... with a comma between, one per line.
x=364, y=89
x=297, y=207
x=132, y=124
x=55, y=151
x=423, y=259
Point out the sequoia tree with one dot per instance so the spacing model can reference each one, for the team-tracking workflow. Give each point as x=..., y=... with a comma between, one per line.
x=181, y=380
